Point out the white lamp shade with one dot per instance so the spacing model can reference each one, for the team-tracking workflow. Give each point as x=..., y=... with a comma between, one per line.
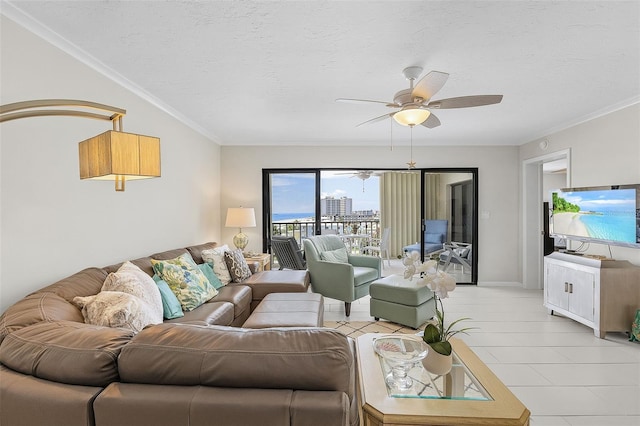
x=411, y=115
x=239, y=217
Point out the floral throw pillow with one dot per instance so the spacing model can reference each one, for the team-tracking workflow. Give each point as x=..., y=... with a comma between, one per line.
x=237, y=265
x=186, y=280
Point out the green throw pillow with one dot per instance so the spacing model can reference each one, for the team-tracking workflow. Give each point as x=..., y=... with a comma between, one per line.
x=170, y=304
x=338, y=255
x=186, y=280
x=207, y=270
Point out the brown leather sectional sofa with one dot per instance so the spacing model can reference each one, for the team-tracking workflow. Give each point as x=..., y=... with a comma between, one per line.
x=202, y=369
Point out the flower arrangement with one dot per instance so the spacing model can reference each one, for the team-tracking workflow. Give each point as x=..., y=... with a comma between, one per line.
x=441, y=283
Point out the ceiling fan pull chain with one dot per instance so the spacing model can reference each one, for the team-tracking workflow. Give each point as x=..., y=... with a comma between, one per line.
x=411, y=163
x=391, y=133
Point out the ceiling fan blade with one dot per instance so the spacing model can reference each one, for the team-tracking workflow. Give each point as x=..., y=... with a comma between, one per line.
x=429, y=85
x=360, y=101
x=465, y=102
x=374, y=120
x=431, y=121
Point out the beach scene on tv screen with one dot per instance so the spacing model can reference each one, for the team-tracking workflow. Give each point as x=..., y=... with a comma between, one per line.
x=602, y=214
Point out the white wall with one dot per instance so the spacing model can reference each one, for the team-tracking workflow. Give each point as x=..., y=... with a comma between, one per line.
x=53, y=224
x=241, y=170
x=604, y=151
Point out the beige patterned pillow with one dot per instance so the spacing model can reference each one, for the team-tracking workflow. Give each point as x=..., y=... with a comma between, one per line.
x=116, y=309
x=133, y=280
x=215, y=257
x=237, y=265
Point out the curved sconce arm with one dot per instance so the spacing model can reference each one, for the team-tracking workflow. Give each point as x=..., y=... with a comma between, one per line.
x=27, y=109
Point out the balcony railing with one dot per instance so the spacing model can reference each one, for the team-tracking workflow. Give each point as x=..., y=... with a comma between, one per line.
x=301, y=230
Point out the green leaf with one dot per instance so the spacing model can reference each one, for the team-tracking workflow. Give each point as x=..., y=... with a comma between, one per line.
x=431, y=334
x=443, y=348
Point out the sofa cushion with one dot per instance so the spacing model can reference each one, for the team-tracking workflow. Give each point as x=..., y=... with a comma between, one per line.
x=285, y=281
x=215, y=257
x=66, y=352
x=28, y=400
x=87, y=282
x=130, y=279
x=240, y=297
x=35, y=308
x=196, y=251
x=171, y=307
x=117, y=309
x=211, y=313
x=291, y=358
x=237, y=265
x=433, y=237
x=364, y=275
x=186, y=280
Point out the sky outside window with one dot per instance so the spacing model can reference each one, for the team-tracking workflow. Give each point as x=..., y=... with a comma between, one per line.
x=295, y=192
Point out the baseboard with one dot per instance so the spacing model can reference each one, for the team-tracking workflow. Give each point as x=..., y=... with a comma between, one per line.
x=500, y=284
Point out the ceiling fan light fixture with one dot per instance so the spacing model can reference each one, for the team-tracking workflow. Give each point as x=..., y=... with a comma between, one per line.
x=411, y=115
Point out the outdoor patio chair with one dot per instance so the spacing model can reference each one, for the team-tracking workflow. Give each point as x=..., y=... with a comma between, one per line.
x=380, y=246
x=288, y=253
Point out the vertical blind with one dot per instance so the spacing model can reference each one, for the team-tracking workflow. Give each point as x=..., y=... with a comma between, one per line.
x=400, y=208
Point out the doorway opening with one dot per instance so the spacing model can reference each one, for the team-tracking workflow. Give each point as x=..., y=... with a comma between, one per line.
x=535, y=189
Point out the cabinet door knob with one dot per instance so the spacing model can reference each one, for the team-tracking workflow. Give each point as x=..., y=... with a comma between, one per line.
x=566, y=286
x=570, y=287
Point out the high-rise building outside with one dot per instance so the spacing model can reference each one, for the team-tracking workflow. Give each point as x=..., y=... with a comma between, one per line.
x=331, y=206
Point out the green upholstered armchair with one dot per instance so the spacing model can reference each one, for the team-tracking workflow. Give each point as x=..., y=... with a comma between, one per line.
x=336, y=273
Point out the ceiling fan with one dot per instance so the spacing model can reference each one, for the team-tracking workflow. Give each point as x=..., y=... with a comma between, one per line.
x=415, y=102
x=361, y=174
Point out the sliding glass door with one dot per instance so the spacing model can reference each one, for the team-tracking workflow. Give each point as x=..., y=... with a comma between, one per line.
x=289, y=204
x=450, y=200
x=305, y=202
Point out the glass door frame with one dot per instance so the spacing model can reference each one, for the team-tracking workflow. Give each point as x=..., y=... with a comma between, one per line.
x=474, y=220
x=266, y=203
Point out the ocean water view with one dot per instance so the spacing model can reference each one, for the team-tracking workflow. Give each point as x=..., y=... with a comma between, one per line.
x=617, y=227
x=290, y=217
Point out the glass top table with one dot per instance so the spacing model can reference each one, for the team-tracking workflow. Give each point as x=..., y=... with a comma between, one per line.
x=469, y=394
x=459, y=383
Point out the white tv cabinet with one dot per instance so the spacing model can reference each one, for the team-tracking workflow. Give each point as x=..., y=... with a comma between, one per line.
x=601, y=294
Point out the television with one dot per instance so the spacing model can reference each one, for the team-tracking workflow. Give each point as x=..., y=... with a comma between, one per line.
x=602, y=214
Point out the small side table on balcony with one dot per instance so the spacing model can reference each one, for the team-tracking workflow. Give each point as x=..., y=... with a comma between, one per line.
x=264, y=259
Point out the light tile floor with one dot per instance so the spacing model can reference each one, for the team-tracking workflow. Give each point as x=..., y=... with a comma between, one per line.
x=555, y=366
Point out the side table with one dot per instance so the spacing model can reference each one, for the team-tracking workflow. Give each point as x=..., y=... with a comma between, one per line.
x=264, y=259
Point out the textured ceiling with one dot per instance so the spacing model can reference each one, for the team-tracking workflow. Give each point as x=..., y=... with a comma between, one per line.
x=268, y=72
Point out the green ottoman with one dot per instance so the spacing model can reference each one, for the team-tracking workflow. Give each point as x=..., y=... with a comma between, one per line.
x=402, y=301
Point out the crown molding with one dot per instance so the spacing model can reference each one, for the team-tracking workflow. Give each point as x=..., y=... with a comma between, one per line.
x=588, y=117
x=13, y=12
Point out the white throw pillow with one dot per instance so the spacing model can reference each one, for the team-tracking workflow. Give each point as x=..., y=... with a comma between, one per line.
x=131, y=279
x=116, y=309
x=215, y=257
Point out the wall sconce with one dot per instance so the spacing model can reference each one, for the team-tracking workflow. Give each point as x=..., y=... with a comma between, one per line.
x=238, y=217
x=113, y=155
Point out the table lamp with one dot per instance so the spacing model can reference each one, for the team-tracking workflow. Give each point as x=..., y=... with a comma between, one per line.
x=239, y=217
